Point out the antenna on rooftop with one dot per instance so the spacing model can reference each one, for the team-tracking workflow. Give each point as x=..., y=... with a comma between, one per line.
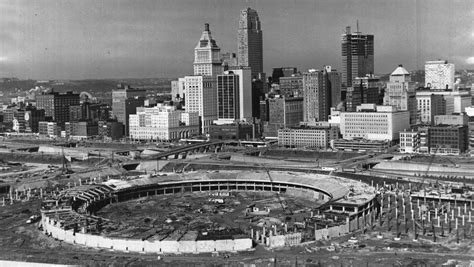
x=357, y=27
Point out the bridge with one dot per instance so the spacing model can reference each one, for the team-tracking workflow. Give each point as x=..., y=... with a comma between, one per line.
x=183, y=151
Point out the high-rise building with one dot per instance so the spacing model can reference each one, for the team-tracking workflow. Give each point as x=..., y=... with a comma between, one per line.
x=234, y=95
x=125, y=101
x=250, y=44
x=316, y=95
x=282, y=112
x=177, y=89
x=429, y=105
x=201, y=97
x=207, y=55
x=334, y=79
x=57, y=105
x=400, y=92
x=364, y=90
x=439, y=74
x=291, y=86
x=357, y=56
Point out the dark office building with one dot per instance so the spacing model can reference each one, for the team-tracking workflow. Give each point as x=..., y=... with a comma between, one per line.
x=292, y=85
x=448, y=139
x=57, y=105
x=277, y=73
x=125, y=101
x=283, y=112
x=110, y=130
x=357, y=56
x=366, y=90
x=235, y=131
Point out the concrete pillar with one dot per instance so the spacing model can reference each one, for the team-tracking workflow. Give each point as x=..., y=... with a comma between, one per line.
x=445, y=218
x=436, y=213
x=459, y=211
x=470, y=217
x=465, y=208
x=438, y=221
x=452, y=215
x=463, y=220
x=251, y=233
x=456, y=223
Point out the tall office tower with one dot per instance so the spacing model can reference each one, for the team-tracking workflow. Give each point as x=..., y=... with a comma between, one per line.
x=234, y=96
x=57, y=105
x=250, y=46
x=125, y=101
x=316, y=95
x=357, y=56
x=334, y=79
x=201, y=97
x=177, y=89
x=439, y=74
x=281, y=112
x=365, y=90
x=207, y=55
x=400, y=92
x=429, y=105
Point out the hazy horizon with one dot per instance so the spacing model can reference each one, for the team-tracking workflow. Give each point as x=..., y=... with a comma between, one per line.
x=113, y=39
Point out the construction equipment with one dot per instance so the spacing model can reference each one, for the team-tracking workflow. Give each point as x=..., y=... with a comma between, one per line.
x=288, y=211
x=429, y=165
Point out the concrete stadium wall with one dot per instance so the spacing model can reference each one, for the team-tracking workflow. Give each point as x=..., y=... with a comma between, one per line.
x=133, y=245
x=343, y=229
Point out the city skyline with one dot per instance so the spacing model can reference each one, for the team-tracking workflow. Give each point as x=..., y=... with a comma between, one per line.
x=118, y=39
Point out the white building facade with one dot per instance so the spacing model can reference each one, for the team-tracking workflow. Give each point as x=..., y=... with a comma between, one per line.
x=201, y=97
x=409, y=141
x=400, y=92
x=439, y=74
x=373, y=122
x=207, y=55
x=319, y=137
x=163, y=123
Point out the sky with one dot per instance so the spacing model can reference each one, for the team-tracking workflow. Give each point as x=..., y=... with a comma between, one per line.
x=95, y=39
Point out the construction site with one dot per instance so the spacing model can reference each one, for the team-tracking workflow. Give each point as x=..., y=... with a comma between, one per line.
x=230, y=205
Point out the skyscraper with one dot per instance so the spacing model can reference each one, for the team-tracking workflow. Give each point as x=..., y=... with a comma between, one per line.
x=57, y=105
x=234, y=95
x=201, y=97
x=250, y=46
x=439, y=74
x=357, y=56
x=400, y=92
x=125, y=101
x=207, y=55
x=317, y=94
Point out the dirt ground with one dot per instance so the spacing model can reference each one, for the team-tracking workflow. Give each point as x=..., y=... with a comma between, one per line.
x=202, y=211
x=20, y=241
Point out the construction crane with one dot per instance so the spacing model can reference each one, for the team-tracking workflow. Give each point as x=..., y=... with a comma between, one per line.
x=429, y=164
x=288, y=211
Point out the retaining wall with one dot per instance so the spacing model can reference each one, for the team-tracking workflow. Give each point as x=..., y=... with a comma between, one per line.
x=133, y=245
